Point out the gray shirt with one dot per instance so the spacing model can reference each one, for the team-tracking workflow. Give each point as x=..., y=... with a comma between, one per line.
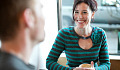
x=11, y=62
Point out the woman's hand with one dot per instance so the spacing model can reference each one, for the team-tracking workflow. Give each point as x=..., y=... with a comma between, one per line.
x=80, y=68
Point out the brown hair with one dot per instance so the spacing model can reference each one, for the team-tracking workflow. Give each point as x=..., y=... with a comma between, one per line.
x=91, y=3
x=10, y=12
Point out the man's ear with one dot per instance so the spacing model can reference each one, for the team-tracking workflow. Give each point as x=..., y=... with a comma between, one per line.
x=28, y=17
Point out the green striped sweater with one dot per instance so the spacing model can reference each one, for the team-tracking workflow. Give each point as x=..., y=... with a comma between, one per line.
x=67, y=40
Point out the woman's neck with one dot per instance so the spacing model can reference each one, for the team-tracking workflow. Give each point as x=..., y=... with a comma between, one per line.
x=83, y=31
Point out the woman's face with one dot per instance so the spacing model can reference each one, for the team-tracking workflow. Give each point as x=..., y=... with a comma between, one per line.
x=83, y=15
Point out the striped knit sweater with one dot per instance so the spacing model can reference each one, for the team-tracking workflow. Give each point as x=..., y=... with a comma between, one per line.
x=67, y=40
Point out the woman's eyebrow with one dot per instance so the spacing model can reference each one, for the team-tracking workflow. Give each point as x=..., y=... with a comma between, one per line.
x=76, y=10
x=84, y=10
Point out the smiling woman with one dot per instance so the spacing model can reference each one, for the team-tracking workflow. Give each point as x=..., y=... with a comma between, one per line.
x=82, y=43
x=82, y=15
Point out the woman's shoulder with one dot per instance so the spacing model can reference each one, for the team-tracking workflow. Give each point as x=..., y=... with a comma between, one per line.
x=97, y=29
x=68, y=29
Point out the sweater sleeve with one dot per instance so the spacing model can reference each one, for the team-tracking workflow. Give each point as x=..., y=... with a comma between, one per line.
x=104, y=62
x=57, y=48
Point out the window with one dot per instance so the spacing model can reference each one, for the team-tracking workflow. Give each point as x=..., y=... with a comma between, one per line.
x=109, y=2
x=106, y=17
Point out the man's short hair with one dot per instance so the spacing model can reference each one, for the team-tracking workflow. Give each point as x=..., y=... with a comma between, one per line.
x=10, y=12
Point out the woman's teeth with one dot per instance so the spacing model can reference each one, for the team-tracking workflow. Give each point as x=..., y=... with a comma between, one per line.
x=80, y=21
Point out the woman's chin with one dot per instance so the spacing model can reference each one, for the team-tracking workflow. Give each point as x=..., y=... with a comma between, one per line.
x=81, y=26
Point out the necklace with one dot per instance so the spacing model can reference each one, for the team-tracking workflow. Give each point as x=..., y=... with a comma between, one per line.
x=85, y=37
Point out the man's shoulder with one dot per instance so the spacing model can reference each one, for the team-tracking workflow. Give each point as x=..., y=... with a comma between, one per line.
x=11, y=62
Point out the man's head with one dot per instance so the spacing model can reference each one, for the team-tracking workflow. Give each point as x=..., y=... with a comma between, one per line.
x=16, y=14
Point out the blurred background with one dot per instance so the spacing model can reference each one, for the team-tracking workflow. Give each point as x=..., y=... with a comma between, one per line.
x=58, y=14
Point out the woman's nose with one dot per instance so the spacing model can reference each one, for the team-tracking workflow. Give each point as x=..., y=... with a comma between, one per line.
x=79, y=16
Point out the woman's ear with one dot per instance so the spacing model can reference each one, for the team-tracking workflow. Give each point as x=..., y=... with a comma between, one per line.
x=93, y=13
x=28, y=17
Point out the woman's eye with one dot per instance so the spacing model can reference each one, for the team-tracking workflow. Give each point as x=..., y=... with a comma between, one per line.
x=76, y=12
x=84, y=12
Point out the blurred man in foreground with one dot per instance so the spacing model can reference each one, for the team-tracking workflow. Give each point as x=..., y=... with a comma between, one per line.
x=21, y=28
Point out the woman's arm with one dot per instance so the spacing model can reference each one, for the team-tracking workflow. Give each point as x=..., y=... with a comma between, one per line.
x=104, y=62
x=57, y=48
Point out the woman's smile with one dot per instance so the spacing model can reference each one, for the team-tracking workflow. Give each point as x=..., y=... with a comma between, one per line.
x=80, y=21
